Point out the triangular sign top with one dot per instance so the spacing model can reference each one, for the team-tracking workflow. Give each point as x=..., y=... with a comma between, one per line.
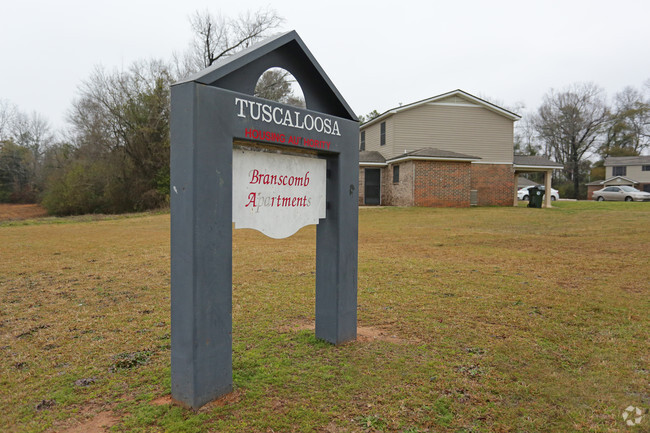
x=241, y=71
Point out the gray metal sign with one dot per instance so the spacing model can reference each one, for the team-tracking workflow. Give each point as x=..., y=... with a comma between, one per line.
x=210, y=112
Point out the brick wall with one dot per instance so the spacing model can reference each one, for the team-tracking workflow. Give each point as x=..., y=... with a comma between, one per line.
x=591, y=189
x=442, y=183
x=494, y=183
x=400, y=193
x=362, y=184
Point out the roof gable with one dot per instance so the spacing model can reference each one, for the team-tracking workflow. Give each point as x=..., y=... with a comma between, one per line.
x=241, y=71
x=614, y=181
x=455, y=97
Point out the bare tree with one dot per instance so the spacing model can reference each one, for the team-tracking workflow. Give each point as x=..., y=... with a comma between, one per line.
x=634, y=112
x=34, y=133
x=91, y=130
x=516, y=108
x=569, y=123
x=628, y=132
x=526, y=141
x=7, y=116
x=23, y=142
x=216, y=36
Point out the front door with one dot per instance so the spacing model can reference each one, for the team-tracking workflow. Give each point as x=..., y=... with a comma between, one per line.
x=372, y=191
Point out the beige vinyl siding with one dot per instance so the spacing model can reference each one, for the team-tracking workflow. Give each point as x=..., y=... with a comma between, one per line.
x=372, y=136
x=452, y=126
x=634, y=172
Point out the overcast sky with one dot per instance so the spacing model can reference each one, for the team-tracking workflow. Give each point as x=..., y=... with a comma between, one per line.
x=378, y=54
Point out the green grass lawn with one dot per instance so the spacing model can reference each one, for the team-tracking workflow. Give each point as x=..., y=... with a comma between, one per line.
x=475, y=320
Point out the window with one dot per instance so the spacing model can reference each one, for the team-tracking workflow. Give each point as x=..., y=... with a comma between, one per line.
x=396, y=174
x=645, y=168
x=619, y=171
x=382, y=134
x=362, y=146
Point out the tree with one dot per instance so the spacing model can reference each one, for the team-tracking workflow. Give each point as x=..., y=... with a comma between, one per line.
x=32, y=132
x=274, y=85
x=368, y=117
x=23, y=141
x=120, y=129
x=116, y=158
x=628, y=132
x=7, y=115
x=216, y=36
x=15, y=180
x=526, y=141
x=569, y=123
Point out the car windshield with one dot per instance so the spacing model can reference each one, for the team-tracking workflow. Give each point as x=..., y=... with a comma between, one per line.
x=629, y=189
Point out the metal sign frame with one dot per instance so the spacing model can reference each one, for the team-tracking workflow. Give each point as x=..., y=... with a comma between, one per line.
x=205, y=121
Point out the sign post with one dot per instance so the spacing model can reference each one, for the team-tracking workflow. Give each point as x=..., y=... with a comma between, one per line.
x=263, y=165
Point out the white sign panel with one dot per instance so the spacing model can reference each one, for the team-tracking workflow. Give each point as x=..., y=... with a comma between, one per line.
x=277, y=194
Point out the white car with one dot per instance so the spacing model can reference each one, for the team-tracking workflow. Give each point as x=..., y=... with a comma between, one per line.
x=523, y=194
x=620, y=193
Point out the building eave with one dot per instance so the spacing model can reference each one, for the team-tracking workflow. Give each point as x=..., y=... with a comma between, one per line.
x=372, y=164
x=536, y=167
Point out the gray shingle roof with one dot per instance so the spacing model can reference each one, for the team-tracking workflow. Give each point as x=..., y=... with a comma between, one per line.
x=430, y=152
x=522, y=182
x=627, y=160
x=535, y=160
x=371, y=157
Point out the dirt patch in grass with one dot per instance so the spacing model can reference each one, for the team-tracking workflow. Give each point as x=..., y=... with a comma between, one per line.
x=162, y=401
x=227, y=400
x=14, y=212
x=369, y=333
x=364, y=333
x=230, y=398
x=100, y=423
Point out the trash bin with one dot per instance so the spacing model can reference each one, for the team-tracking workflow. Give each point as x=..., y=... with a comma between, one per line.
x=535, y=195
